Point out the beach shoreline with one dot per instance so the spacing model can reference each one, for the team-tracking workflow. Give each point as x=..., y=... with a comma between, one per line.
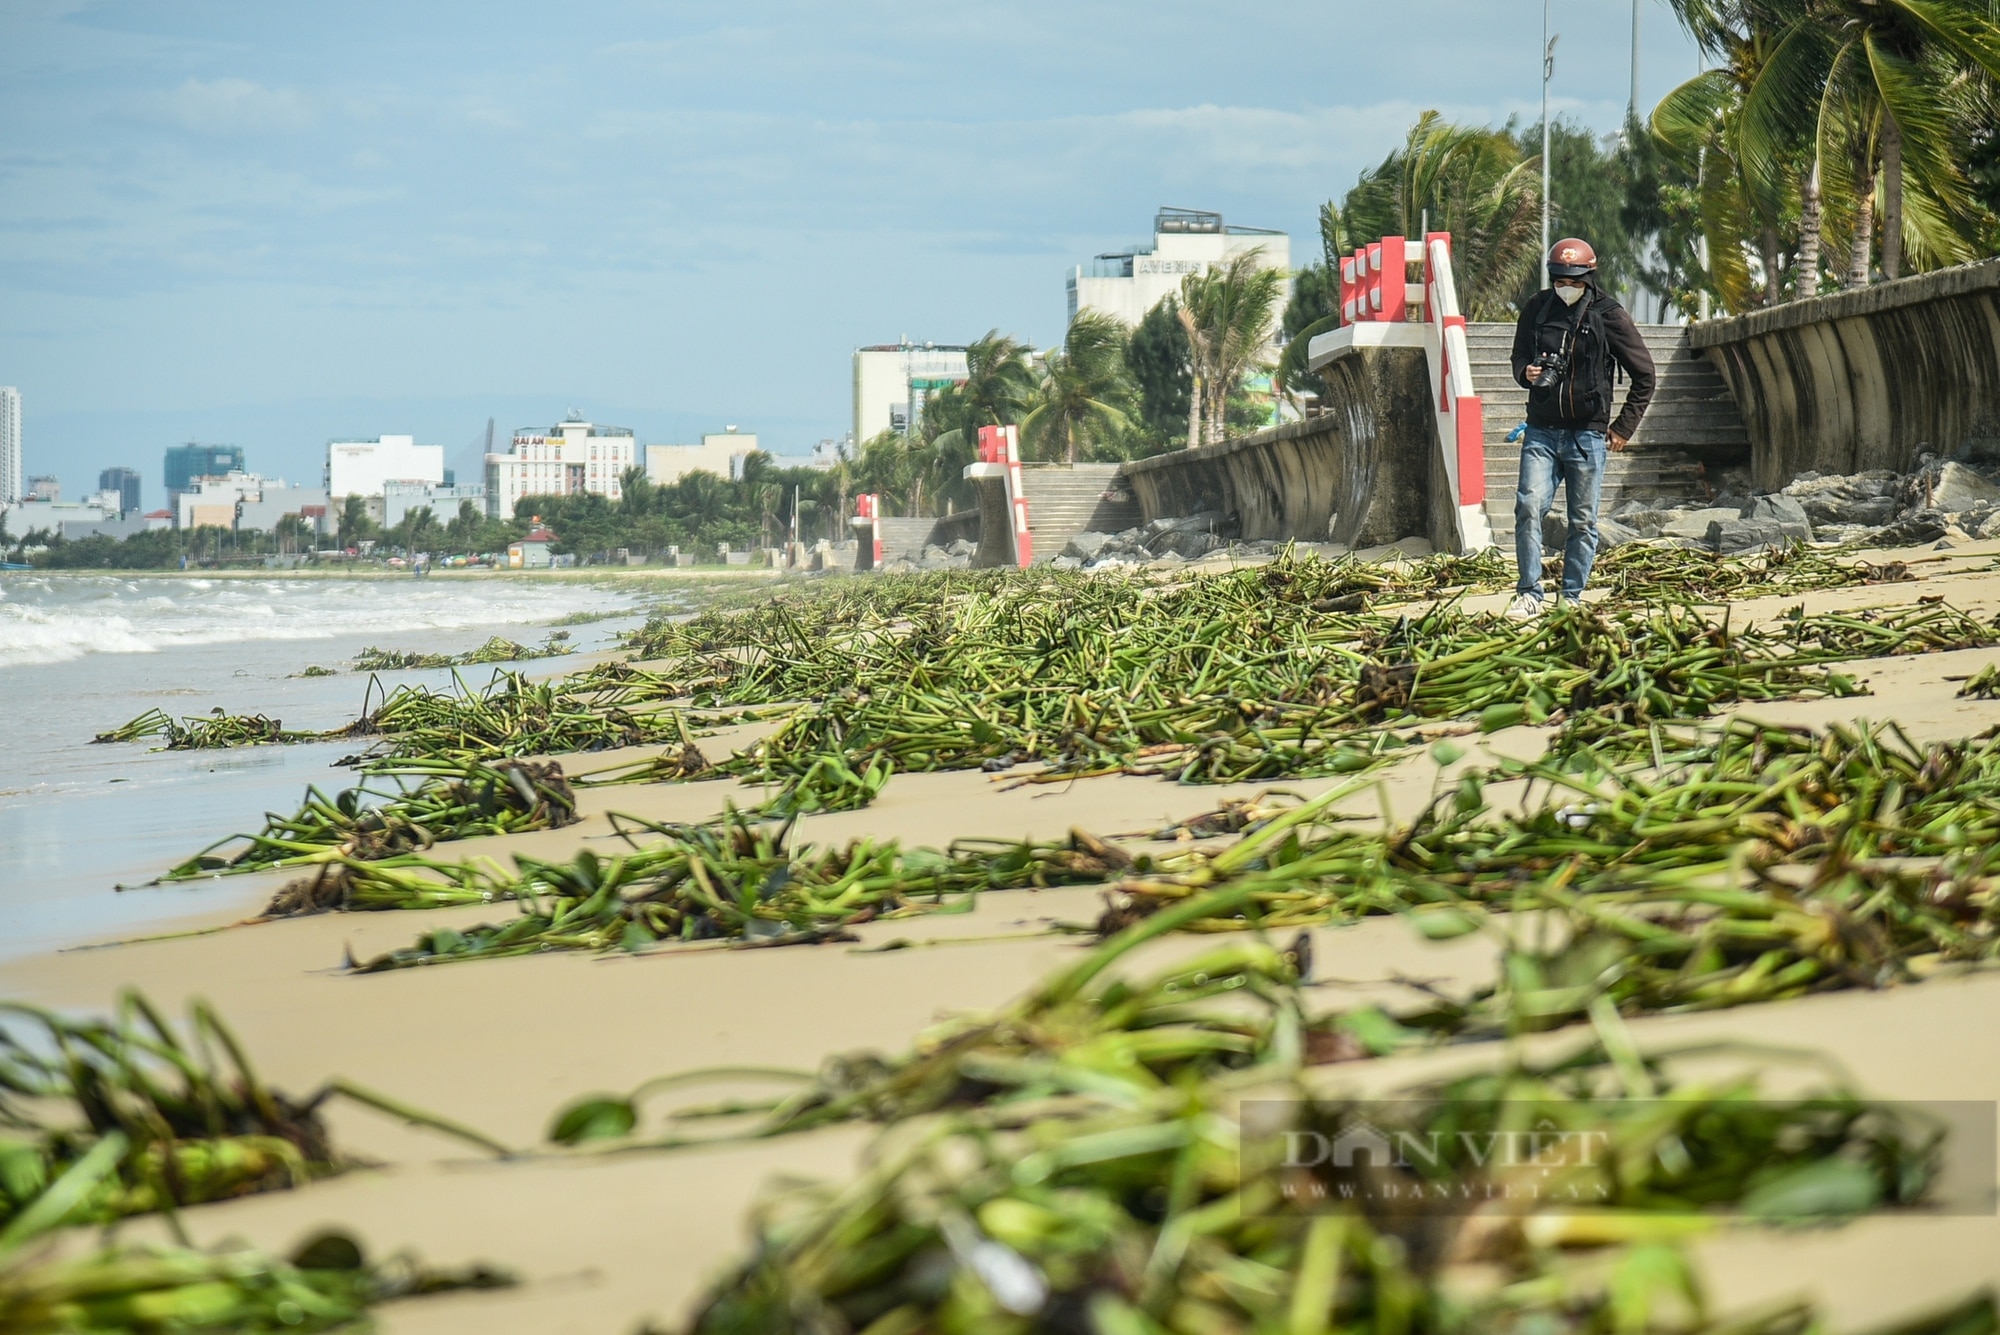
x=609, y=1244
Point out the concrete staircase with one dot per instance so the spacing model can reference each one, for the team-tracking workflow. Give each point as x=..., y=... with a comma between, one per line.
x=1064, y=501
x=1692, y=413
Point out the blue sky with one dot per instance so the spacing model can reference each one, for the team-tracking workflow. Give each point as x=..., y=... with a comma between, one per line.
x=269, y=224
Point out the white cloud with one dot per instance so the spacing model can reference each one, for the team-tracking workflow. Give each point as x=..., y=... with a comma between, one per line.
x=237, y=106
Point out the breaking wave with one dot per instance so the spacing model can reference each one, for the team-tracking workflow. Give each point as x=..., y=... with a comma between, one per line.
x=55, y=619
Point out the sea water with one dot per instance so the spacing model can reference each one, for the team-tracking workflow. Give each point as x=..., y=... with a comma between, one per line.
x=81, y=654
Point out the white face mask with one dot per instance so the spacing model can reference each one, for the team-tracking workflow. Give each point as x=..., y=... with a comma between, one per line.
x=1570, y=295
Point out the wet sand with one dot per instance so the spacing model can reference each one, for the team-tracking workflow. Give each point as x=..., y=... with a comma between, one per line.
x=605, y=1243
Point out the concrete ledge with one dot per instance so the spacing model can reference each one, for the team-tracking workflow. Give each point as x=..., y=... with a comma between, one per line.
x=1256, y=440
x=1361, y=474
x=1964, y=279
x=1866, y=379
x=1337, y=342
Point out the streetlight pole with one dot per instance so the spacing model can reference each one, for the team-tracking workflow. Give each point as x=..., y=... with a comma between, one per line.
x=1632, y=112
x=1548, y=71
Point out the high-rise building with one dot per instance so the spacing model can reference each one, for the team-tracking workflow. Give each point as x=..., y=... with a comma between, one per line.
x=571, y=458
x=124, y=481
x=189, y=462
x=365, y=467
x=1128, y=283
x=892, y=380
x=720, y=452
x=47, y=487
x=12, y=479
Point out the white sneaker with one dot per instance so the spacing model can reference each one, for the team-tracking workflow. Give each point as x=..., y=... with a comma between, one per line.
x=1524, y=608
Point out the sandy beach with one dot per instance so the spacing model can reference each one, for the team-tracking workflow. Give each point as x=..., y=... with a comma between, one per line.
x=613, y=1242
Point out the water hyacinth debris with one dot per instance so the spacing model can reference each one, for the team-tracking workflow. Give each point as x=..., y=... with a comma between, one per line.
x=1116, y=1153
x=499, y=649
x=452, y=801
x=175, y=1120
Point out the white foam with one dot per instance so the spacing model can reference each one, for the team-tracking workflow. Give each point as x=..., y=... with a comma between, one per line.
x=28, y=635
x=58, y=619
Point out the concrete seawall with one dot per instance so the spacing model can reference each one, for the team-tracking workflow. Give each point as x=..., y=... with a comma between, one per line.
x=1869, y=378
x=1360, y=474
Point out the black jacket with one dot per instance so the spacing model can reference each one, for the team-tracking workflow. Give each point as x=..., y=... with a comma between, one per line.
x=1622, y=341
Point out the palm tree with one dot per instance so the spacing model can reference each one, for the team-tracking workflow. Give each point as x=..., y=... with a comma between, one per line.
x=1470, y=181
x=1875, y=101
x=1227, y=315
x=424, y=529
x=1078, y=397
x=701, y=498
x=999, y=390
x=884, y=465
x=1744, y=166
x=768, y=497
x=462, y=533
x=355, y=525
x=1896, y=78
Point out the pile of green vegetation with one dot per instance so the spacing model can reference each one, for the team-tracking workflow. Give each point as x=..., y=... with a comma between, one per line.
x=1115, y=1152
x=499, y=649
x=360, y=824
x=103, y=1120
x=163, y=1120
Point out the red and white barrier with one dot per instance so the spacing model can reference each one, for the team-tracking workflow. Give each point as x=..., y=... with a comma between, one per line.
x=1374, y=283
x=1000, y=456
x=867, y=525
x=1376, y=295
x=1461, y=418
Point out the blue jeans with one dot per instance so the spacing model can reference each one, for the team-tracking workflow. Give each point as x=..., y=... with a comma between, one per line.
x=1576, y=458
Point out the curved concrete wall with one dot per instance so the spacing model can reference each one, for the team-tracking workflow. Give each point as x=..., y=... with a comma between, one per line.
x=1866, y=379
x=1360, y=474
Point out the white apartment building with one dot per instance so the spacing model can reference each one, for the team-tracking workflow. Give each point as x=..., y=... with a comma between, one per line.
x=362, y=467
x=720, y=452
x=13, y=480
x=892, y=380
x=570, y=458
x=212, y=502
x=399, y=498
x=276, y=501
x=1126, y=284
x=38, y=512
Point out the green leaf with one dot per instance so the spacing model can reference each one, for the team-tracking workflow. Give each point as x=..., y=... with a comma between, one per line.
x=1821, y=1189
x=1443, y=924
x=1447, y=752
x=601, y=1118
x=1377, y=1032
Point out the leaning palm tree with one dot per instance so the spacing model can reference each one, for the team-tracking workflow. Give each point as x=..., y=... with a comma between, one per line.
x=1888, y=91
x=1081, y=390
x=1699, y=125
x=1475, y=184
x=1470, y=181
x=1227, y=315
x=998, y=390
x=1746, y=166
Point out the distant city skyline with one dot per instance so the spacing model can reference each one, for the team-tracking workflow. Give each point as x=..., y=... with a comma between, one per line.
x=278, y=225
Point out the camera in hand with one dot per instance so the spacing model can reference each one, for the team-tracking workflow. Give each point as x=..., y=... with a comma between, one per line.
x=1554, y=365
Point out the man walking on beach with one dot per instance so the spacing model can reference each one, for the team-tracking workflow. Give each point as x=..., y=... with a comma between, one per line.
x=1569, y=337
